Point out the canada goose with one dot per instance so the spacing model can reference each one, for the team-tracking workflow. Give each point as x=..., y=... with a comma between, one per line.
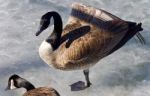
x=90, y=35
x=16, y=81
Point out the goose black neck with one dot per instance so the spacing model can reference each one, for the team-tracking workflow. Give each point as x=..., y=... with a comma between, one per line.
x=57, y=20
x=54, y=38
x=28, y=86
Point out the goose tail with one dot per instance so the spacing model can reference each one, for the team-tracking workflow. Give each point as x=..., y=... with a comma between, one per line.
x=134, y=29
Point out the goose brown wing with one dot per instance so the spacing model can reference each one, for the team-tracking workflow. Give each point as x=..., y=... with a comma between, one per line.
x=90, y=43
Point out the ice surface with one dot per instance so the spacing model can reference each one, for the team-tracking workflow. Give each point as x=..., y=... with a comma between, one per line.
x=124, y=73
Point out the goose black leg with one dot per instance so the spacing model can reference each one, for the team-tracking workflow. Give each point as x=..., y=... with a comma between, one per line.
x=86, y=74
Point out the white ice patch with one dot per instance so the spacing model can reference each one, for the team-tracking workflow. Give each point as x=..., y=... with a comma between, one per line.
x=120, y=74
x=4, y=92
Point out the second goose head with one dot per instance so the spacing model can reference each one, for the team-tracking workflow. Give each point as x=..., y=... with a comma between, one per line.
x=16, y=81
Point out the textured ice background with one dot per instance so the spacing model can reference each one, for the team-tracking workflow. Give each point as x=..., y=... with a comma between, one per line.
x=124, y=73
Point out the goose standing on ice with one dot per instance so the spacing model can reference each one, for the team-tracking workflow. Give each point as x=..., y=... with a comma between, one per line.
x=16, y=81
x=90, y=35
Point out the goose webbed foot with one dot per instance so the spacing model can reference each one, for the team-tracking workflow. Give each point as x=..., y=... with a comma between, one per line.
x=80, y=85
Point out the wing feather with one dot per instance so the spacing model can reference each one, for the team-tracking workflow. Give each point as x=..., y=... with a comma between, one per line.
x=94, y=44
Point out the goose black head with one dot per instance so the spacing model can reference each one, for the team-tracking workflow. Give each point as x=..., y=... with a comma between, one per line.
x=12, y=84
x=44, y=23
x=16, y=81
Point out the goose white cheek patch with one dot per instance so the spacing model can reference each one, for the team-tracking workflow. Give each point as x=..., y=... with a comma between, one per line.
x=51, y=22
x=12, y=86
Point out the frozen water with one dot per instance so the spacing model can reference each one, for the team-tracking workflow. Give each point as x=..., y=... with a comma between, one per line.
x=124, y=73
